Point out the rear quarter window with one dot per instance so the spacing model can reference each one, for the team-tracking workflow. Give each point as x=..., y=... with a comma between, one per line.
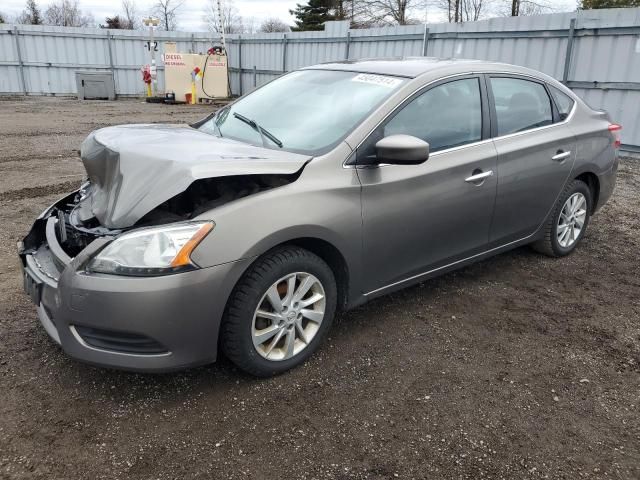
x=563, y=101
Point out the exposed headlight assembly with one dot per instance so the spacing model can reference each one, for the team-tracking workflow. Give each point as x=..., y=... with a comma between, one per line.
x=152, y=251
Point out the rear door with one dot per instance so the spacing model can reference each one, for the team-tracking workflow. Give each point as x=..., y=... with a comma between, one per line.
x=419, y=217
x=536, y=151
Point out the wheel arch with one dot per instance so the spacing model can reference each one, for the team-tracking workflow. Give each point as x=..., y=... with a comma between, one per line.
x=321, y=242
x=333, y=257
x=592, y=181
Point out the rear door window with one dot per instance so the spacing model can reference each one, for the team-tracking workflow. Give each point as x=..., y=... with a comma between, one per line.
x=564, y=102
x=520, y=105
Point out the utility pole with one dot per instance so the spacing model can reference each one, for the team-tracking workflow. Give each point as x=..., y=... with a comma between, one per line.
x=152, y=22
x=221, y=24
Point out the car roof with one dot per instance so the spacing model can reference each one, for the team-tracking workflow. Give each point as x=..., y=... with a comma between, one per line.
x=412, y=67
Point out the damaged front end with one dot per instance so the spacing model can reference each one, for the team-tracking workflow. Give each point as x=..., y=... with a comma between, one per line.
x=149, y=175
x=66, y=240
x=49, y=249
x=122, y=320
x=109, y=266
x=134, y=169
x=69, y=226
x=60, y=230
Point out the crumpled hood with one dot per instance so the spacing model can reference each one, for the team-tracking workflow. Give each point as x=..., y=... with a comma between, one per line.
x=135, y=168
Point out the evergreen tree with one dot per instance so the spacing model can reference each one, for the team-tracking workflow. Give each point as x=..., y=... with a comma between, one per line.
x=114, y=23
x=589, y=4
x=313, y=15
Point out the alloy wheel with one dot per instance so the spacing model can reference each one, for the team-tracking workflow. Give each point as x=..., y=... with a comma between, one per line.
x=572, y=218
x=288, y=316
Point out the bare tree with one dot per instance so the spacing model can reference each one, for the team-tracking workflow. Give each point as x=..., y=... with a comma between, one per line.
x=530, y=7
x=130, y=14
x=453, y=9
x=274, y=24
x=472, y=10
x=30, y=15
x=67, y=13
x=2, y=17
x=360, y=13
x=231, y=21
x=390, y=12
x=466, y=10
x=167, y=12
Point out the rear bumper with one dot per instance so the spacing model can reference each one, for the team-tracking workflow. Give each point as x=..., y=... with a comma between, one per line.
x=142, y=324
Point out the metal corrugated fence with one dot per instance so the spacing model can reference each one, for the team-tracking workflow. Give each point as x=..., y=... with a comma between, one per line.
x=595, y=52
x=42, y=60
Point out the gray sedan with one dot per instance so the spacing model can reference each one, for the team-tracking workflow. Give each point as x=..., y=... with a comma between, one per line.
x=327, y=187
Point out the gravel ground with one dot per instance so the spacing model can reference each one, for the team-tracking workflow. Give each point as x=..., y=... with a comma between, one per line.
x=517, y=367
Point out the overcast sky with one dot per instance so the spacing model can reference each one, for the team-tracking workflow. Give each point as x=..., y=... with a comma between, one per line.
x=191, y=14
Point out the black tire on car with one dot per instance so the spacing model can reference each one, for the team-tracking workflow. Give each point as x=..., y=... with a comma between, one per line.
x=551, y=242
x=244, y=323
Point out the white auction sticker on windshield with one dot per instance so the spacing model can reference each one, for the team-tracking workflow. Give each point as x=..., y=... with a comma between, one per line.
x=381, y=80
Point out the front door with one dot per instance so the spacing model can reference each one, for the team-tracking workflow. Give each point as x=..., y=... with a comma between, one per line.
x=419, y=217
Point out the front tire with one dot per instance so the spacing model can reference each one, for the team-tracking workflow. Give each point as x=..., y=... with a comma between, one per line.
x=280, y=311
x=568, y=222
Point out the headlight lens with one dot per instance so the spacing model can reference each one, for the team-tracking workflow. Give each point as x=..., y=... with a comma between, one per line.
x=151, y=251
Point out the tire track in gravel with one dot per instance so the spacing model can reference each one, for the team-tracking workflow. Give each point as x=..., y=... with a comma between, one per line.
x=40, y=191
x=36, y=133
x=72, y=154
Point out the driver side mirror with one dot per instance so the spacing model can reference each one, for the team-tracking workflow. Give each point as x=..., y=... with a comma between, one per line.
x=402, y=150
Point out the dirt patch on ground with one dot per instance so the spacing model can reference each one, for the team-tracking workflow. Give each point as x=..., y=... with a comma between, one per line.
x=517, y=367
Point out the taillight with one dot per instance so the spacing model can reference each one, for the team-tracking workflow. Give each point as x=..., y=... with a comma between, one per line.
x=615, y=128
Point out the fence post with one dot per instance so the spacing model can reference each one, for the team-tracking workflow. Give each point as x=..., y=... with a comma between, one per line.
x=240, y=64
x=425, y=40
x=20, y=63
x=255, y=76
x=284, y=53
x=113, y=72
x=193, y=43
x=568, y=54
x=346, y=54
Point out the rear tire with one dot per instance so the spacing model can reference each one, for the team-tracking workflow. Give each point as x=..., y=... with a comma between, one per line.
x=568, y=221
x=288, y=299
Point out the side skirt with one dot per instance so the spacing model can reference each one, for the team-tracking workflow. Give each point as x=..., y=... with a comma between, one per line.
x=445, y=269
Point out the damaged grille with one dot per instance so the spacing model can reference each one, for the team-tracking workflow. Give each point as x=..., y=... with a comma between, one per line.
x=71, y=239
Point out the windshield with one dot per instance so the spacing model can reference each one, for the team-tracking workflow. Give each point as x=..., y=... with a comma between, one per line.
x=308, y=111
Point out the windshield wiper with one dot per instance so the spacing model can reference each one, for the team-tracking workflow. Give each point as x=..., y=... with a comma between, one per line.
x=263, y=132
x=216, y=118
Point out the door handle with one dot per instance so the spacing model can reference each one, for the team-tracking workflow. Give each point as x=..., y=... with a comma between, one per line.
x=478, y=177
x=558, y=157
